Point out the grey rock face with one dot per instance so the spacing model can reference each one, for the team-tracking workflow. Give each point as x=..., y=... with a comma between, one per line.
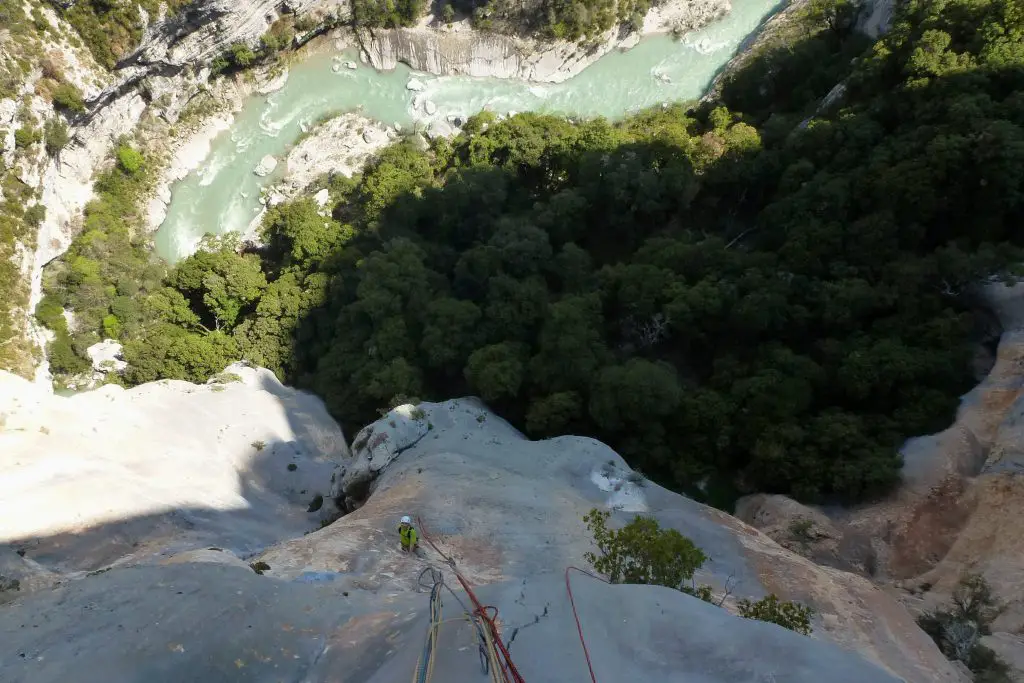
x=214, y=624
x=345, y=602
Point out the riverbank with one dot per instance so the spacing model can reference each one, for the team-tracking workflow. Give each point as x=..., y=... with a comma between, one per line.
x=458, y=49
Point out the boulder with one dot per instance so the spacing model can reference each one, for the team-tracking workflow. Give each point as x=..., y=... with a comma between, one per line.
x=106, y=356
x=266, y=166
x=440, y=129
x=415, y=85
x=322, y=197
x=429, y=107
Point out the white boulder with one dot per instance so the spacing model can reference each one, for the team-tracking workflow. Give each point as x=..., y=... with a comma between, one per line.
x=106, y=356
x=415, y=85
x=266, y=166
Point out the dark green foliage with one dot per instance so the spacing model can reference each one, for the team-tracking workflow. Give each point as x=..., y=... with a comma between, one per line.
x=56, y=136
x=724, y=296
x=642, y=552
x=26, y=136
x=387, y=13
x=259, y=567
x=242, y=55
x=791, y=615
x=68, y=97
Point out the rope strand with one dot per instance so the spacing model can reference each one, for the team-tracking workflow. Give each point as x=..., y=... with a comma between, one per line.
x=509, y=672
x=575, y=614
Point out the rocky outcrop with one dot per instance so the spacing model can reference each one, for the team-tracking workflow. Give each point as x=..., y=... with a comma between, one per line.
x=165, y=522
x=339, y=145
x=510, y=510
x=115, y=475
x=948, y=516
x=458, y=50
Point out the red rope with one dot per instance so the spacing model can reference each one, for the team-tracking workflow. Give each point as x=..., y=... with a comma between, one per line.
x=508, y=668
x=579, y=627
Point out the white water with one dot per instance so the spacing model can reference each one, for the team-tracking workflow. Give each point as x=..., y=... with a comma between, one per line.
x=222, y=195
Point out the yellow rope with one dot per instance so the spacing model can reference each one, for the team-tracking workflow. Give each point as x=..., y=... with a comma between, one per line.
x=425, y=667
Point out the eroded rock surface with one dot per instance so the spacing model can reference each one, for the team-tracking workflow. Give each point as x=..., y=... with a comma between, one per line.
x=113, y=474
x=177, y=606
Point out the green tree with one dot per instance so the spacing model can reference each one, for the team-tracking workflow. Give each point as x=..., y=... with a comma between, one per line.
x=67, y=96
x=497, y=371
x=551, y=415
x=636, y=393
x=791, y=615
x=224, y=282
x=129, y=159
x=56, y=135
x=242, y=55
x=450, y=333
x=642, y=552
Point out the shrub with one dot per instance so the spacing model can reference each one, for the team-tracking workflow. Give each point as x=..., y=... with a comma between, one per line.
x=56, y=136
x=67, y=96
x=111, y=326
x=292, y=467
x=130, y=160
x=642, y=552
x=35, y=214
x=448, y=13
x=791, y=615
x=242, y=55
x=259, y=445
x=800, y=530
x=259, y=567
x=958, y=630
x=26, y=136
x=62, y=356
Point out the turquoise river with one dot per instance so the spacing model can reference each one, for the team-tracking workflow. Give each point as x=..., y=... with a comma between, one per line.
x=223, y=193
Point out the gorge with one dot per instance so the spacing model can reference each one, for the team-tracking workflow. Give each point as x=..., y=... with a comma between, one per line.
x=762, y=297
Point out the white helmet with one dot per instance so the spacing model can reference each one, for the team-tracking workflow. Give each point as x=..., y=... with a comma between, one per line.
x=406, y=519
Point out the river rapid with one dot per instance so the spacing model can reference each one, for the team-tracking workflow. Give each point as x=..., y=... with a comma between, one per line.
x=223, y=193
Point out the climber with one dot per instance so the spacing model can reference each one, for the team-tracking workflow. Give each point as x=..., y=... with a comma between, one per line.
x=407, y=533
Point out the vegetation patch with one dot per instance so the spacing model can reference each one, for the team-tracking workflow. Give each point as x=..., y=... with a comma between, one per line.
x=259, y=567
x=958, y=629
x=744, y=293
x=642, y=552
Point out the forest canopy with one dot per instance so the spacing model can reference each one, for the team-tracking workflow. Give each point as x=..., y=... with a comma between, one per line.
x=744, y=292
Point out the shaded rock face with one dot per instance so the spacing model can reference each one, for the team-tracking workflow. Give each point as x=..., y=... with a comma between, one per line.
x=113, y=475
x=277, y=630
x=180, y=602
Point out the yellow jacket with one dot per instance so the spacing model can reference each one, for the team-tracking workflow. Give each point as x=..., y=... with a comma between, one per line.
x=408, y=536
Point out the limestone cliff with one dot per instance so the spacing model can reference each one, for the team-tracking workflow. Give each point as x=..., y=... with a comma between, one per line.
x=176, y=488
x=949, y=515
x=457, y=49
